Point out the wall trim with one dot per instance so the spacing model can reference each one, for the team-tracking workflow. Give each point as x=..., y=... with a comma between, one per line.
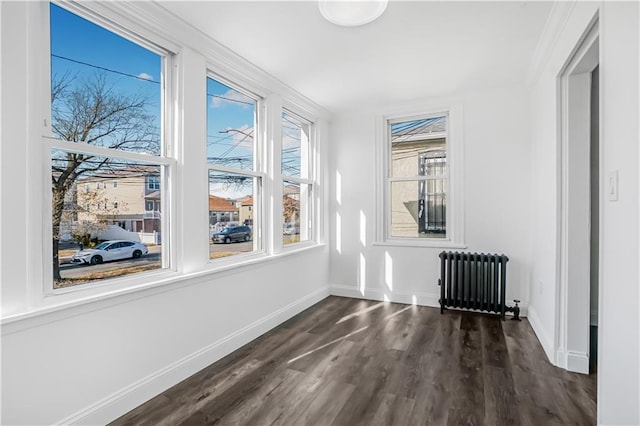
x=129, y=397
x=380, y=294
x=541, y=334
x=578, y=362
x=554, y=26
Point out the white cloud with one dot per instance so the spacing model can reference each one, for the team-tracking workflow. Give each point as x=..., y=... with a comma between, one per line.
x=231, y=97
x=145, y=76
x=243, y=137
x=290, y=138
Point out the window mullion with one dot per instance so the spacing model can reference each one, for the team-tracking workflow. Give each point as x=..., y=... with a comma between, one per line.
x=83, y=148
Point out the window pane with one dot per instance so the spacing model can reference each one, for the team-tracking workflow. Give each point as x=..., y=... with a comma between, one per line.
x=230, y=127
x=231, y=214
x=296, y=212
x=89, y=212
x=416, y=139
x=295, y=146
x=105, y=90
x=419, y=208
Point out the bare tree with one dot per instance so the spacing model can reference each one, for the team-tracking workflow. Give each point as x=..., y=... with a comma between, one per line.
x=93, y=112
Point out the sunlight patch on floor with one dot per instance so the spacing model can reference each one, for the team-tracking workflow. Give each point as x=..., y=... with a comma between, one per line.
x=360, y=312
x=327, y=344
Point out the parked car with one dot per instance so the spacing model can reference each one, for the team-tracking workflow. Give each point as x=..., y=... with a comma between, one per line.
x=110, y=250
x=232, y=233
x=290, y=229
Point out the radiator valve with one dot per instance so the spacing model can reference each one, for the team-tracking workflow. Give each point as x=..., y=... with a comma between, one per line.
x=516, y=310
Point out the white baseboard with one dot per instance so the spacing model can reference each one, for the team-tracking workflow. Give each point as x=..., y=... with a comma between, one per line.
x=422, y=299
x=131, y=396
x=543, y=337
x=578, y=362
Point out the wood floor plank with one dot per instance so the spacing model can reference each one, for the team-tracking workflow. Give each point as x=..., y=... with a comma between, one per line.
x=319, y=403
x=393, y=410
x=501, y=406
x=360, y=362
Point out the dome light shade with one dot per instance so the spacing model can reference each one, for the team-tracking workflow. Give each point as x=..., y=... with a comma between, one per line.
x=351, y=13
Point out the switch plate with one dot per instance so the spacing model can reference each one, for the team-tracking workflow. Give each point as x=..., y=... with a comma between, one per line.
x=612, y=186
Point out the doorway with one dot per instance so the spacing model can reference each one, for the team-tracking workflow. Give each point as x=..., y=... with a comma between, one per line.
x=594, y=261
x=579, y=207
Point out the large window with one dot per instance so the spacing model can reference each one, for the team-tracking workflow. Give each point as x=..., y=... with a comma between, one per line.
x=297, y=180
x=107, y=153
x=418, y=178
x=235, y=174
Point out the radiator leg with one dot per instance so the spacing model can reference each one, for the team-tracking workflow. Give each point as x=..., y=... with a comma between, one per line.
x=516, y=311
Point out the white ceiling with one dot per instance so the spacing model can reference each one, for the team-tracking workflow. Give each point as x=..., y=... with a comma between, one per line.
x=416, y=49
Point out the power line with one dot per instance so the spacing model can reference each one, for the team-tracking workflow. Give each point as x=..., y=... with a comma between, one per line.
x=230, y=99
x=104, y=69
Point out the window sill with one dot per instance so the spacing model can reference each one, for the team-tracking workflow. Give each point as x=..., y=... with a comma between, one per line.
x=299, y=246
x=421, y=244
x=48, y=312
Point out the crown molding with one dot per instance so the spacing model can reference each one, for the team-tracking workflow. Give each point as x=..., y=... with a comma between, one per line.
x=554, y=26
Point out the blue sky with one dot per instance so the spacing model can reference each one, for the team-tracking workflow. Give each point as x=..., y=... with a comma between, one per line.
x=79, y=40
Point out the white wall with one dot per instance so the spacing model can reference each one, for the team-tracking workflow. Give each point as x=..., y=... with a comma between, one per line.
x=619, y=353
x=91, y=367
x=618, y=392
x=497, y=208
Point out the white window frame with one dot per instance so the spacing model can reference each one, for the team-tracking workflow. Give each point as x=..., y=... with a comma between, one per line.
x=309, y=180
x=258, y=173
x=455, y=163
x=167, y=163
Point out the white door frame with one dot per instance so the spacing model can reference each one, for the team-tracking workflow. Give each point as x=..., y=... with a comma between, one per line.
x=574, y=211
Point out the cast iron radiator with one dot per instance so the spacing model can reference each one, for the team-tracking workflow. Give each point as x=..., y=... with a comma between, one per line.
x=474, y=281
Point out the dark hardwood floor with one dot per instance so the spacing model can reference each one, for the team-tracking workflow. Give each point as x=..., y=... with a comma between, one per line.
x=356, y=362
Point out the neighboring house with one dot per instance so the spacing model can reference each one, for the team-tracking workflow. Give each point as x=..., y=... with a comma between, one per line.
x=419, y=206
x=291, y=205
x=221, y=210
x=129, y=198
x=245, y=207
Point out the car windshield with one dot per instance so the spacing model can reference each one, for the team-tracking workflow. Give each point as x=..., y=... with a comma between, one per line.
x=102, y=246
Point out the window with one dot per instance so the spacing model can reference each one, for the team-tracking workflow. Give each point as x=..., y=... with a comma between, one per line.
x=419, y=180
x=235, y=170
x=297, y=183
x=153, y=183
x=106, y=127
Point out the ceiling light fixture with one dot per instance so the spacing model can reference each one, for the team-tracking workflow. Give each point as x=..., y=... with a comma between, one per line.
x=351, y=13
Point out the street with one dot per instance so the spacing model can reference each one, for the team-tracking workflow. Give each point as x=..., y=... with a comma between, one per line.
x=223, y=250
x=80, y=270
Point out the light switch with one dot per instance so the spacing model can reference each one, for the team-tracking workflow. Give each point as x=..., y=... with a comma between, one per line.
x=612, y=186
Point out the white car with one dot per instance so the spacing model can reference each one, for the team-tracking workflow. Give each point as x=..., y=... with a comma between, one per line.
x=110, y=250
